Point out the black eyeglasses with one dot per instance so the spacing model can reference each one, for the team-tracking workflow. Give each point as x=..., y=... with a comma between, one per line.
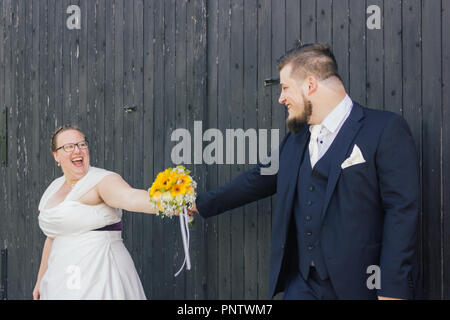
x=69, y=147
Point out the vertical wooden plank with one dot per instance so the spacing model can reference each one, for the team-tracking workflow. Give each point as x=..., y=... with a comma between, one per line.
x=66, y=74
x=138, y=67
x=84, y=75
x=25, y=227
x=375, y=61
x=92, y=86
x=43, y=161
x=357, y=51
x=53, y=106
x=324, y=25
x=128, y=119
x=110, y=101
x=278, y=112
x=46, y=115
x=201, y=64
x=308, y=25
x=13, y=120
x=5, y=54
x=93, y=108
x=279, y=48
x=60, y=21
x=17, y=209
x=213, y=122
x=118, y=86
x=158, y=245
x=393, y=98
x=8, y=87
x=196, y=280
x=7, y=105
x=237, y=120
x=74, y=53
x=170, y=260
x=446, y=144
x=149, y=154
x=292, y=21
x=191, y=20
x=224, y=114
x=127, y=134
x=100, y=81
x=41, y=137
x=32, y=56
x=3, y=231
x=179, y=288
x=32, y=133
x=250, y=121
x=432, y=121
x=341, y=38
x=27, y=149
x=265, y=67
x=22, y=152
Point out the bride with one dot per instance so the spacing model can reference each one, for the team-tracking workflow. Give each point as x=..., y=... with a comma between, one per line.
x=80, y=213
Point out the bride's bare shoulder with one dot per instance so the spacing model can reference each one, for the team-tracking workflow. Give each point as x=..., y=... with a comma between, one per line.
x=112, y=180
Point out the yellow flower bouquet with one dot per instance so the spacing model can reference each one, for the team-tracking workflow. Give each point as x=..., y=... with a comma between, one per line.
x=172, y=190
x=172, y=193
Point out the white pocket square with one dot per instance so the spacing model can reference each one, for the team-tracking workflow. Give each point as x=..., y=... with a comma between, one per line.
x=355, y=158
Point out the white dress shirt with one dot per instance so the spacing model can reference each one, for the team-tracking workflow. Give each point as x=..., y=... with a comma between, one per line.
x=331, y=125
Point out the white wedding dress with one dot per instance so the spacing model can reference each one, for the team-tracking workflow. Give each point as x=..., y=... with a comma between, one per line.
x=85, y=264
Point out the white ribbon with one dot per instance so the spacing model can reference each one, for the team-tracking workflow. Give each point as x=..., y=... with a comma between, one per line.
x=185, y=235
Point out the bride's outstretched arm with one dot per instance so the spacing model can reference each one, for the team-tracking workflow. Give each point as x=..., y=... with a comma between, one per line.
x=117, y=193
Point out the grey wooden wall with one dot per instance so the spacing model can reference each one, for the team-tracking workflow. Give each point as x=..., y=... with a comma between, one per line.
x=179, y=61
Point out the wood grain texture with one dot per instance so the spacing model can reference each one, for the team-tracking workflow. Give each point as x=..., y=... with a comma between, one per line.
x=180, y=61
x=432, y=150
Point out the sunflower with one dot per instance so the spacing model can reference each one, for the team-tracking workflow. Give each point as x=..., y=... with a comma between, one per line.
x=154, y=188
x=178, y=189
x=173, y=176
x=184, y=180
x=157, y=183
x=165, y=181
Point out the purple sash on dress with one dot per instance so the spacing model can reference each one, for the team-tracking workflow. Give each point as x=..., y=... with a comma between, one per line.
x=112, y=227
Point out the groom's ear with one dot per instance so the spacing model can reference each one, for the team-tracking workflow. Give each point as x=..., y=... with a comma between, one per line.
x=311, y=85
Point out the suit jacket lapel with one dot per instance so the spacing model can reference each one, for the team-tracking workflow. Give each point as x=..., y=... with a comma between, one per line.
x=344, y=138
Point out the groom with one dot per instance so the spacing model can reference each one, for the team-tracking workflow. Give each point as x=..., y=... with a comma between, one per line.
x=345, y=225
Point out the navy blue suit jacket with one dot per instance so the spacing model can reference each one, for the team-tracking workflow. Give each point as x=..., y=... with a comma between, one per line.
x=371, y=210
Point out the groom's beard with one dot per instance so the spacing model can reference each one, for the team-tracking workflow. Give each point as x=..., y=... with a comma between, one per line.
x=297, y=123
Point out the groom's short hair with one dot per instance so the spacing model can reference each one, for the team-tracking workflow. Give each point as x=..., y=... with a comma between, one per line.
x=310, y=59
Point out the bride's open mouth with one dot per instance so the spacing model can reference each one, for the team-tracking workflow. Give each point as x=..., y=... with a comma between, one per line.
x=78, y=161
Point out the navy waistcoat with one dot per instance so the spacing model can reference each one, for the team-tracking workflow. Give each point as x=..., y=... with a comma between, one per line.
x=308, y=207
